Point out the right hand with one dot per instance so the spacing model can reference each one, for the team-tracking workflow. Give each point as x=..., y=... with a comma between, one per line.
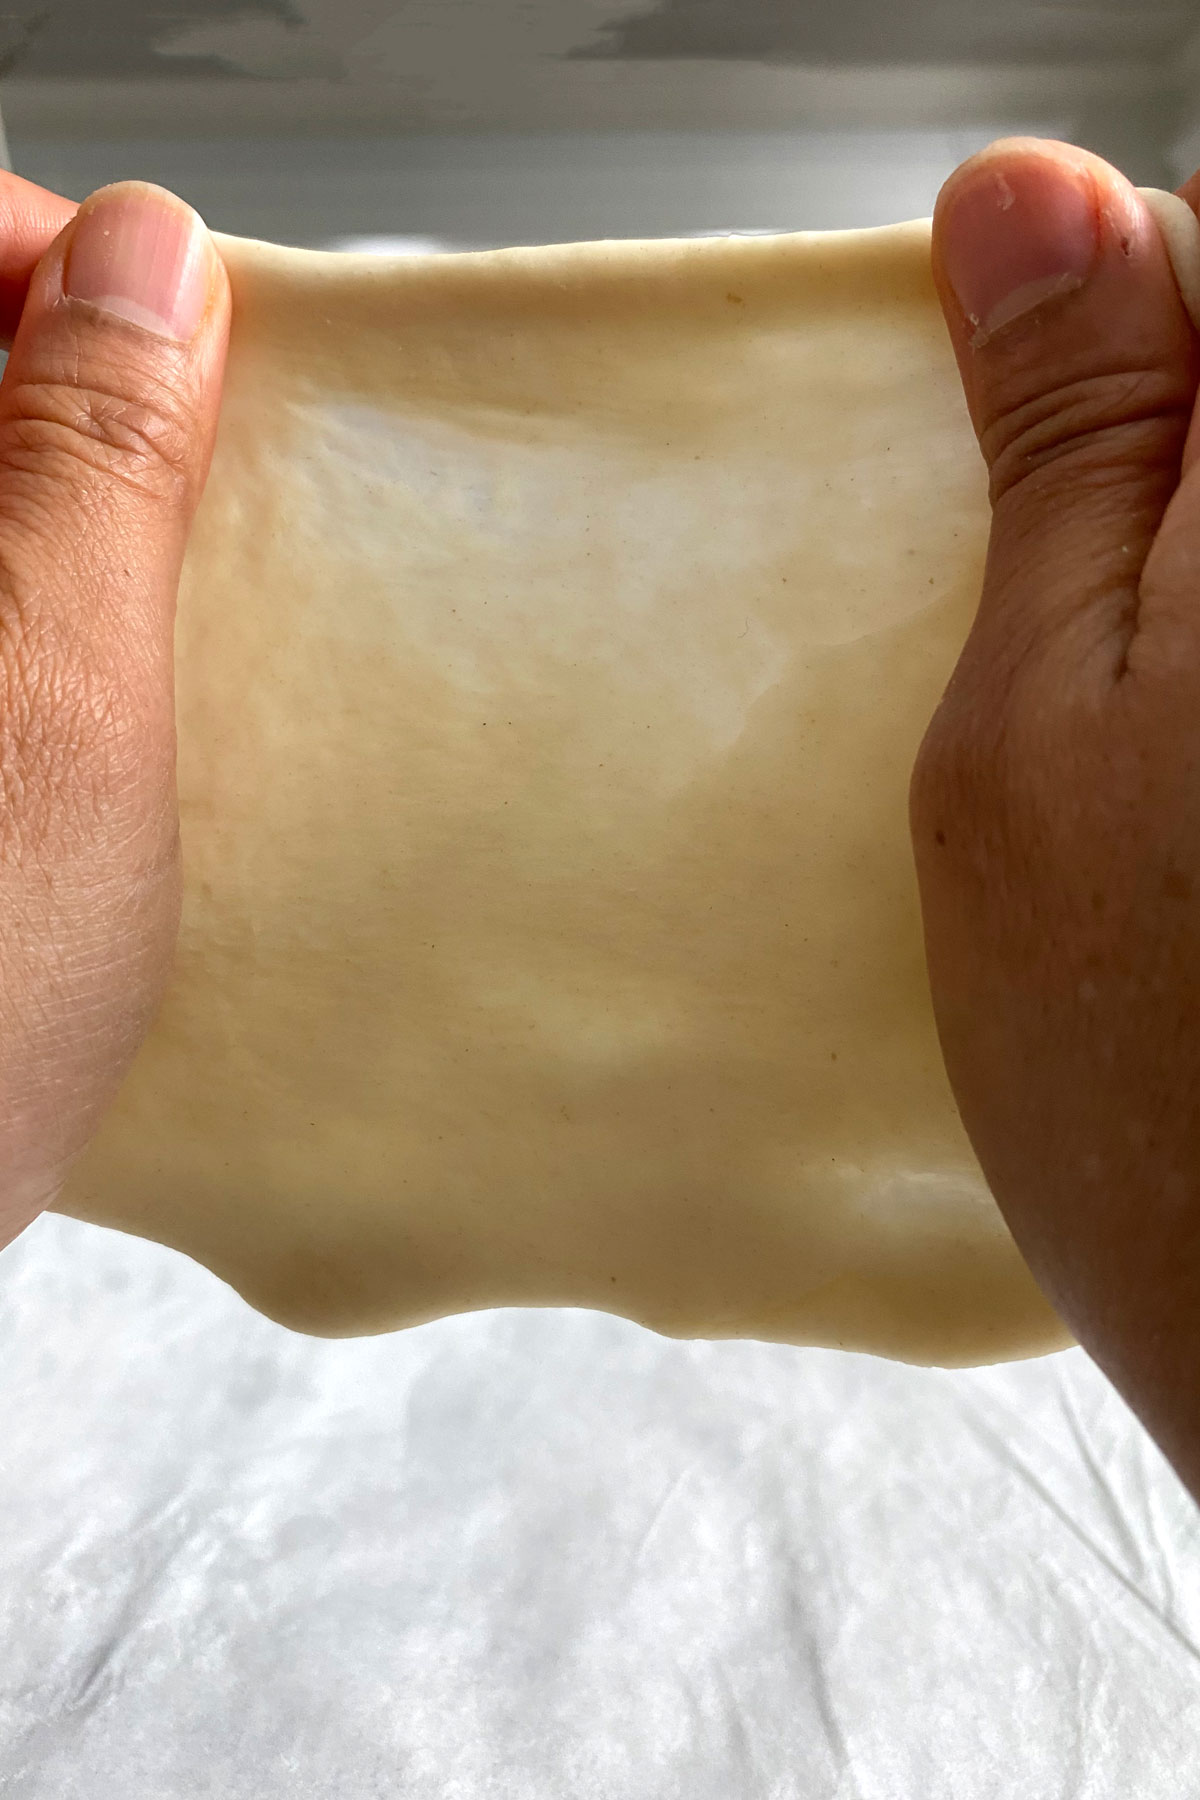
x=1056, y=798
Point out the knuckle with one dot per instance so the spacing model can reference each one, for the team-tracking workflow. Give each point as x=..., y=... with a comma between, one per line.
x=980, y=783
x=1109, y=423
x=96, y=435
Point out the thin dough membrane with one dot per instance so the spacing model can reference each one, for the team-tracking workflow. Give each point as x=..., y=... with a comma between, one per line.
x=555, y=641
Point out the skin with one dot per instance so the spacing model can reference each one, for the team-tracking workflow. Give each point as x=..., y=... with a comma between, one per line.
x=1055, y=801
x=1056, y=798
x=106, y=431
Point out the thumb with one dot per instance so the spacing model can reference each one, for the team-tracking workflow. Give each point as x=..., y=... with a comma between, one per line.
x=108, y=411
x=1080, y=367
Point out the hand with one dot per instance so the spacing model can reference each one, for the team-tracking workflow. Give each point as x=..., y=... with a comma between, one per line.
x=108, y=410
x=1056, y=798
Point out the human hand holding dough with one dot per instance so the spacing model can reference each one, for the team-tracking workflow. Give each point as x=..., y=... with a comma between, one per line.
x=556, y=637
x=105, y=435
x=1056, y=801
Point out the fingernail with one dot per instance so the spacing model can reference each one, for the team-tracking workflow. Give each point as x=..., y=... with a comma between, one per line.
x=142, y=255
x=1014, y=239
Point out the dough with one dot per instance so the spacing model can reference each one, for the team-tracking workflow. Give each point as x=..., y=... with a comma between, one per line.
x=556, y=637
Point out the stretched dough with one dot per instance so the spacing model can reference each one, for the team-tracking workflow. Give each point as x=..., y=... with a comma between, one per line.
x=556, y=637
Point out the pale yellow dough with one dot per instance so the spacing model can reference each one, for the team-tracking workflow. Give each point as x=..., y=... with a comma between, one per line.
x=555, y=642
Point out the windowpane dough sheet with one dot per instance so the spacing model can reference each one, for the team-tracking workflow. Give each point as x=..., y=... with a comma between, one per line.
x=556, y=638
x=550, y=1556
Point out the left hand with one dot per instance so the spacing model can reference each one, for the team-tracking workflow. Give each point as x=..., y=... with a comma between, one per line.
x=118, y=315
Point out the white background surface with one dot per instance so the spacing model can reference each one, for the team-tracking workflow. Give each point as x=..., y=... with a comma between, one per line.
x=549, y=1556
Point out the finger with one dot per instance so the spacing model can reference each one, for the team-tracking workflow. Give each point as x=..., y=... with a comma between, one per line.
x=1190, y=191
x=1175, y=215
x=1169, y=636
x=1080, y=368
x=108, y=409
x=30, y=219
